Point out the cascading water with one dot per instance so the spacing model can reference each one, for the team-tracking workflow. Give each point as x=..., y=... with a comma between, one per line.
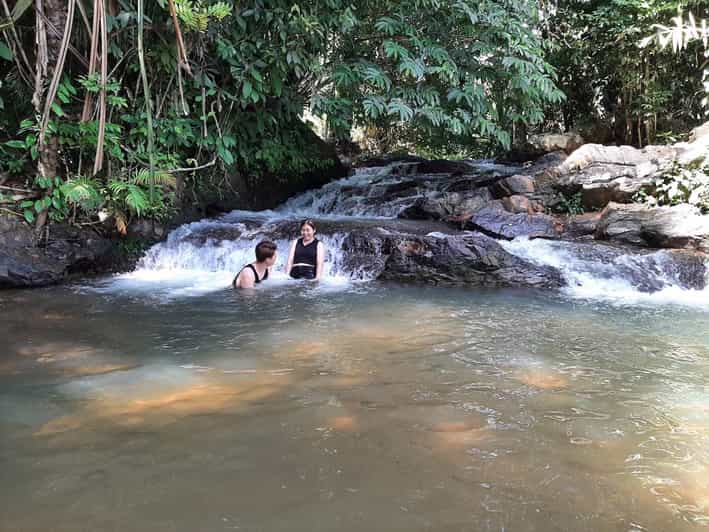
x=596, y=271
x=205, y=255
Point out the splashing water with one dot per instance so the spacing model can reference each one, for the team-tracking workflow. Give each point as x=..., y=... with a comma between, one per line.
x=595, y=271
x=204, y=256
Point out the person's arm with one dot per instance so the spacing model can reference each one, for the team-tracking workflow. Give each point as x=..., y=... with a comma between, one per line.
x=320, y=260
x=246, y=279
x=291, y=254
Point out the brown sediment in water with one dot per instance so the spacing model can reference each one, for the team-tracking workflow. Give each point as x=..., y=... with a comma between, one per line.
x=170, y=405
x=543, y=380
x=102, y=369
x=344, y=423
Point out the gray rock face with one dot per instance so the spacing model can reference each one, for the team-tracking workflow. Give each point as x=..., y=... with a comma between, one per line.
x=496, y=222
x=582, y=225
x=681, y=226
x=513, y=185
x=521, y=204
x=610, y=173
x=549, y=142
x=469, y=258
x=23, y=263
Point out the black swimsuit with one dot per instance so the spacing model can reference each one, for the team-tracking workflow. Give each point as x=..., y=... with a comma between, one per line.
x=256, y=277
x=305, y=255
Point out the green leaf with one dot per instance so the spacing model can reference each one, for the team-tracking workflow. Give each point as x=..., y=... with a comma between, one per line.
x=247, y=89
x=18, y=144
x=5, y=52
x=29, y=216
x=57, y=109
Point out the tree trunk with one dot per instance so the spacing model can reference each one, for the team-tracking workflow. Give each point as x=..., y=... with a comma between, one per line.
x=51, y=18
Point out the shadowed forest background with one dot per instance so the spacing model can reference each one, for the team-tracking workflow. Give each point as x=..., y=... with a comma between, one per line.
x=142, y=109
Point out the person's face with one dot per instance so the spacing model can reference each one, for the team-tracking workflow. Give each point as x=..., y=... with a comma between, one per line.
x=307, y=232
x=272, y=260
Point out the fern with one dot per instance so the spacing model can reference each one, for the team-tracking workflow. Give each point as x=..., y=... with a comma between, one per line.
x=159, y=177
x=84, y=192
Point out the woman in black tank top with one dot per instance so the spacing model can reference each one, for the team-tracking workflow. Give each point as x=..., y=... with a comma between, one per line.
x=307, y=254
x=256, y=272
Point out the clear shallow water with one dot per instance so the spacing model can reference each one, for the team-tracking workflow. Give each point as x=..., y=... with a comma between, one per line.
x=367, y=406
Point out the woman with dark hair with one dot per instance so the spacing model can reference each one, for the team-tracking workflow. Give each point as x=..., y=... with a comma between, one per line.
x=307, y=254
x=257, y=271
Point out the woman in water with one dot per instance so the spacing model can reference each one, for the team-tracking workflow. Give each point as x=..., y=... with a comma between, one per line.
x=257, y=271
x=307, y=254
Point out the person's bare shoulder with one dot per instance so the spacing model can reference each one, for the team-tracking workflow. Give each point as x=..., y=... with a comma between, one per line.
x=246, y=279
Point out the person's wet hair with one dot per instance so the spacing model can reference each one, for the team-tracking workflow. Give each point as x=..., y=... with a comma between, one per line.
x=309, y=222
x=265, y=250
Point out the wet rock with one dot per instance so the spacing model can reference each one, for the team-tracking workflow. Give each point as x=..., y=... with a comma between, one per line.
x=521, y=204
x=470, y=258
x=516, y=184
x=148, y=230
x=440, y=206
x=607, y=174
x=582, y=225
x=26, y=261
x=681, y=226
x=443, y=166
x=496, y=222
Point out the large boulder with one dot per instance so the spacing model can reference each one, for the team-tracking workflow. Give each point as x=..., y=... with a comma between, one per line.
x=682, y=226
x=605, y=174
x=26, y=261
x=550, y=142
x=468, y=258
x=442, y=205
x=696, y=151
x=497, y=222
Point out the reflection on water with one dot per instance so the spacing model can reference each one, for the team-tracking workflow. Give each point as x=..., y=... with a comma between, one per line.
x=382, y=407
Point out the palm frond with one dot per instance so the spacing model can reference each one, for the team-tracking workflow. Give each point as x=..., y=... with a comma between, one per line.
x=84, y=192
x=159, y=177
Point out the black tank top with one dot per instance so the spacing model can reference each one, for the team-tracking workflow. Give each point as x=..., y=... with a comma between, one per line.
x=306, y=254
x=256, y=277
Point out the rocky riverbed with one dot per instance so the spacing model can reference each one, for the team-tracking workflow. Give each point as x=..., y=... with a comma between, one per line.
x=439, y=221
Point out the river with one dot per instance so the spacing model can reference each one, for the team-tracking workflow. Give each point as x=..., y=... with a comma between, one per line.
x=162, y=400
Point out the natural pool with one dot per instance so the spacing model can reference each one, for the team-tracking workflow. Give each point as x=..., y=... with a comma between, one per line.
x=354, y=406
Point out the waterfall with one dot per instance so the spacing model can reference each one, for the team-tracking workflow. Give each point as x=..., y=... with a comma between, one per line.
x=205, y=255
x=601, y=272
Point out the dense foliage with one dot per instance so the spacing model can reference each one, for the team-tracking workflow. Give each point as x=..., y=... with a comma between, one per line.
x=199, y=89
x=617, y=89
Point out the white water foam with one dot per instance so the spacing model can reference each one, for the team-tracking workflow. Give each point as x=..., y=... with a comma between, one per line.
x=192, y=261
x=595, y=279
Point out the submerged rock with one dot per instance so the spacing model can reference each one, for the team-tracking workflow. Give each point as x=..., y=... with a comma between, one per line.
x=681, y=226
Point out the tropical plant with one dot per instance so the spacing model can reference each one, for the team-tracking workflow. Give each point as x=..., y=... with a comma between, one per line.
x=679, y=184
x=213, y=88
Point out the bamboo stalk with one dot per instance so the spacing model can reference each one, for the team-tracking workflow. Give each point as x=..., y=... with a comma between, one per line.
x=181, y=50
x=101, y=136
x=88, y=98
x=146, y=90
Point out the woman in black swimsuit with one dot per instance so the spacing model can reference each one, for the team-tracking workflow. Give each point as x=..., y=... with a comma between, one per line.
x=307, y=254
x=257, y=271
